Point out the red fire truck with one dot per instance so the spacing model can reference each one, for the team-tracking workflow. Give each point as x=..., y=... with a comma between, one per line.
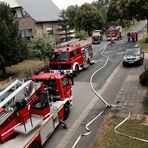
x=114, y=33
x=71, y=57
x=97, y=37
x=32, y=111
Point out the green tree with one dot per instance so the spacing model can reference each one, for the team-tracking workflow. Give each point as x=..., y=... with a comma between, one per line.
x=118, y=10
x=138, y=9
x=88, y=18
x=12, y=50
x=64, y=21
x=113, y=12
x=82, y=35
x=124, y=14
x=43, y=43
x=102, y=7
x=71, y=14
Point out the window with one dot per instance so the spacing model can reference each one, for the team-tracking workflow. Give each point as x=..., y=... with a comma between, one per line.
x=50, y=30
x=71, y=54
x=59, y=56
x=27, y=34
x=74, y=53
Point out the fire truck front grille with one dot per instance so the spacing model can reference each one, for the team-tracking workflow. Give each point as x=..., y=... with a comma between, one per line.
x=60, y=66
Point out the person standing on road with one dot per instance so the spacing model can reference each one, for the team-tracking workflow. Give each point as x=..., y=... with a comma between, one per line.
x=133, y=36
x=128, y=36
x=136, y=33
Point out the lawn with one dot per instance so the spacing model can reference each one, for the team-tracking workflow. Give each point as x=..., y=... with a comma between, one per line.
x=126, y=29
x=142, y=42
x=108, y=139
x=145, y=104
x=24, y=67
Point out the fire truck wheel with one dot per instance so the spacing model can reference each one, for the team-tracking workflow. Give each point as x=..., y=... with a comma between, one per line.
x=35, y=145
x=76, y=72
x=66, y=111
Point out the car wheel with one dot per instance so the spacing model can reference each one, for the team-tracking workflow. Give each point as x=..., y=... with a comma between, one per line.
x=66, y=111
x=141, y=62
x=35, y=145
x=124, y=64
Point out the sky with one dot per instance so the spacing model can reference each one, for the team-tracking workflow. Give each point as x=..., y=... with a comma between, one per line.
x=63, y=4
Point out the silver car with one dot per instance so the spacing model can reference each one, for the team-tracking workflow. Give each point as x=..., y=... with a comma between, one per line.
x=134, y=55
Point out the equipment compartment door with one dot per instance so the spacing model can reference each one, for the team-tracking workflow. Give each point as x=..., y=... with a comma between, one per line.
x=47, y=130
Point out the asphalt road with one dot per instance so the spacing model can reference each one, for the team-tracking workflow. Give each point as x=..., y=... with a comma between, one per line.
x=83, y=97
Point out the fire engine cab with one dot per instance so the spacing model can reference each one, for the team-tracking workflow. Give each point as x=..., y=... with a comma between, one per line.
x=97, y=37
x=30, y=111
x=71, y=58
x=114, y=33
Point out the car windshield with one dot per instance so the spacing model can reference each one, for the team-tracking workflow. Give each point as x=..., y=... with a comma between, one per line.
x=133, y=51
x=59, y=56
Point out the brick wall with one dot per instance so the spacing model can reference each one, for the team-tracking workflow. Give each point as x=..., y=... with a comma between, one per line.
x=54, y=25
x=27, y=23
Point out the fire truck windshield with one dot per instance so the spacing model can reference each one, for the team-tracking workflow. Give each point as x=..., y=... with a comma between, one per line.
x=59, y=56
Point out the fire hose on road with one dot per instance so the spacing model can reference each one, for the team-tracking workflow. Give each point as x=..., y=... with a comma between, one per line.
x=107, y=105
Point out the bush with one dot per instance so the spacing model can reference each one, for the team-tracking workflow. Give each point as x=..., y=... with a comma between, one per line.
x=145, y=103
x=82, y=35
x=146, y=40
x=144, y=78
x=34, y=53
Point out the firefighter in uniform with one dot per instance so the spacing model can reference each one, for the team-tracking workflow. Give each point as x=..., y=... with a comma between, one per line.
x=133, y=36
x=136, y=33
x=128, y=36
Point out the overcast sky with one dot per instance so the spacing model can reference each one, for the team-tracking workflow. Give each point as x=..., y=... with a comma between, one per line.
x=63, y=4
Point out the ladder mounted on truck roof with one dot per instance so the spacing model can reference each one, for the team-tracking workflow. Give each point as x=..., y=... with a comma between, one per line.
x=74, y=43
x=10, y=89
x=8, y=105
x=22, y=92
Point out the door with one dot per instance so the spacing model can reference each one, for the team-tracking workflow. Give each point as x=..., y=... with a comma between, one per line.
x=66, y=87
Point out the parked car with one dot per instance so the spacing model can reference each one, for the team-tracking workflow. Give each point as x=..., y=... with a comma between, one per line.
x=134, y=55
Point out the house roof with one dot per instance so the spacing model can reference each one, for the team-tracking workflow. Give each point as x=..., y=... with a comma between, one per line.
x=39, y=10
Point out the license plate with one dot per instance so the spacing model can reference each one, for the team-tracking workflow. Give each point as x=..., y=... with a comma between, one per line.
x=131, y=62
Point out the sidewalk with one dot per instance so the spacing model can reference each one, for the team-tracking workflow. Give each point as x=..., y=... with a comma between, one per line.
x=125, y=89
